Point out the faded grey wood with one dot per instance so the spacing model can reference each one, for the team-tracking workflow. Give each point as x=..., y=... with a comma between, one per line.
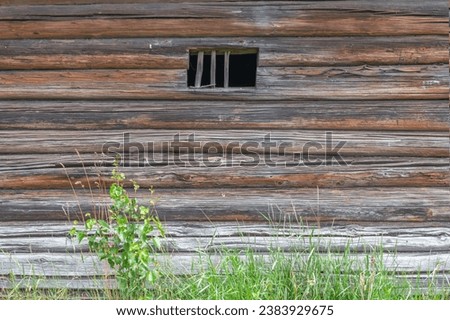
x=87, y=265
x=186, y=9
x=102, y=161
x=42, y=237
x=177, y=229
x=172, y=53
x=274, y=83
x=431, y=115
x=217, y=172
x=212, y=75
x=422, y=242
x=413, y=6
x=226, y=71
x=199, y=71
x=180, y=229
x=363, y=143
x=313, y=205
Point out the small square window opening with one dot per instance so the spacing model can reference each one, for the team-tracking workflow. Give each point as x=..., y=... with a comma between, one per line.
x=223, y=68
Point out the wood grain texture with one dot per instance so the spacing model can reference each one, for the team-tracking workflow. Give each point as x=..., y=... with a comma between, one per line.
x=311, y=205
x=17, y=162
x=315, y=115
x=218, y=173
x=70, y=265
x=290, y=83
x=97, y=61
x=430, y=7
x=19, y=10
x=180, y=229
x=261, y=238
x=75, y=75
x=362, y=143
x=51, y=257
x=168, y=53
x=311, y=24
x=227, y=19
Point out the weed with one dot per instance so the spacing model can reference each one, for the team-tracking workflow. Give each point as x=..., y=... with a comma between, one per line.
x=125, y=239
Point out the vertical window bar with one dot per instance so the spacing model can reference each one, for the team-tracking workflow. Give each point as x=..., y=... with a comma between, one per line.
x=226, y=73
x=199, y=72
x=213, y=68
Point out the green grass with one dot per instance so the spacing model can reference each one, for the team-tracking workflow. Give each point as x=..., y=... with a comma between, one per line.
x=277, y=276
x=287, y=276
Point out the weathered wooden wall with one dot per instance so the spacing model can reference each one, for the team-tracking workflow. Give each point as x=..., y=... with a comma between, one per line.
x=77, y=74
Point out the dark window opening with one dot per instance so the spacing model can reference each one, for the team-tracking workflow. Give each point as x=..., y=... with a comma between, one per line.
x=222, y=68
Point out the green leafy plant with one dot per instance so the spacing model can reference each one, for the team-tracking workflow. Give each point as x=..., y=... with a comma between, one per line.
x=127, y=239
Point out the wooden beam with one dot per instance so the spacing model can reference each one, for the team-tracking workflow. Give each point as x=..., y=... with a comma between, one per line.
x=199, y=69
x=278, y=83
x=319, y=24
x=213, y=69
x=412, y=115
x=357, y=143
x=219, y=173
x=88, y=265
x=226, y=71
x=197, y=237
x=308, y=205
x=39, y=9
x=131, y=53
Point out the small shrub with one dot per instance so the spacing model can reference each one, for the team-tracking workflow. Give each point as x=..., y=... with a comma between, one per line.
x=126, y=239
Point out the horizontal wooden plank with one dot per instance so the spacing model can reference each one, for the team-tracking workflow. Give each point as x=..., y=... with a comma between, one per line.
x=315, y=115
x=210, y=237
x=99, y=61
x=169, y=53
x=283, y=22
x=17, y=162
x=199, y=9
x=73, y=265
x=261, y=173
x=312, y=205
x=258, y=244
x=91, y=78
x=181, y=229
x=411, y=6
x=290, y=83
x=363, y=143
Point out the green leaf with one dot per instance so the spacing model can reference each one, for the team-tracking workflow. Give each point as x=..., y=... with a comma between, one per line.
x=90, y=223
x=103, y=224
x=80, y=236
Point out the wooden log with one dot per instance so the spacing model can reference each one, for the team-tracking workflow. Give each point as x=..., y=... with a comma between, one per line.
x=74, y=265
x=257, y=244
x=104, y=162
x=311, y=23
x=171, y=53
x=18, y=10
x=321, y=83
x=363, y=143
x=186, y=8
x=228, y=19
x=314, y=115
x=261, y=239
x=245, y=172
x=243, y=204
x=97, y=61
x=181, y=229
